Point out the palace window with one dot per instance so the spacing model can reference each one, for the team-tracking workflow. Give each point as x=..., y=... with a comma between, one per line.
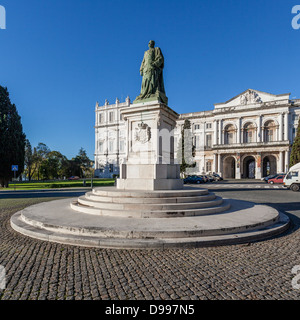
x=249, y=133
x=269, y=135
x=111, y=116
x=229, y=134
x=208, y=166
x=197, y=126
x=208, y=126
x=270, y=131
x=208, y=141
x=100, y=118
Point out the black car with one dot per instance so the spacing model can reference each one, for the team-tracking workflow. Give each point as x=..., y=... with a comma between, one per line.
x=193, y=180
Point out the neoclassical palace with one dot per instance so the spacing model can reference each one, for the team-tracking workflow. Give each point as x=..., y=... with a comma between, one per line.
x=248, y=136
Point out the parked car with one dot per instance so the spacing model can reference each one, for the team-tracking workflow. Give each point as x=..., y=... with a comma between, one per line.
x=193, y=180
x=207, y=178
x=210, y=178
x=272, y=176
x=218, y=178
x=74, y=178
x=277, y=179
x=204, y=178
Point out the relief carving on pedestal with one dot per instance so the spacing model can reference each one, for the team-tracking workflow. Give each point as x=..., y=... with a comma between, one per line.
x=142, y=133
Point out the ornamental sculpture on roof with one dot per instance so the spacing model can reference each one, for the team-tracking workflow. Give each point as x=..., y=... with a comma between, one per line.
x=250, y=97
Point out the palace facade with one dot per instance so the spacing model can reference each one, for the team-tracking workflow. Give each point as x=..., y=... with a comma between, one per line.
x=248, y=136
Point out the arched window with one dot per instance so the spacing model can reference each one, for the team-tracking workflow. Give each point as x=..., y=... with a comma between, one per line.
x=270, y=131
x=249, y=132
x=229, y=134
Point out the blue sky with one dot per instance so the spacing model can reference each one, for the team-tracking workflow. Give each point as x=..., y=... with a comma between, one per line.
x=58, y=57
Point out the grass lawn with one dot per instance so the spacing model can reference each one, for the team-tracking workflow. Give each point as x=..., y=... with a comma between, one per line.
x=58, y=184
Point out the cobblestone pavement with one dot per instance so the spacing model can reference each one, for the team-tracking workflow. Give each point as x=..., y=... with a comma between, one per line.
x=41, y=270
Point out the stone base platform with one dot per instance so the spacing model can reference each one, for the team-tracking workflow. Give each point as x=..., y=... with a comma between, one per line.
x=111, y=218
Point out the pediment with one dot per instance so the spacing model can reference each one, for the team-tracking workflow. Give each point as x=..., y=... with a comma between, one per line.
x=252, y=97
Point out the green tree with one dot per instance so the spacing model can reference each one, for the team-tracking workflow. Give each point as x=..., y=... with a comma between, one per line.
x=295, y=154
x=84, y=163
x=186, y=149
x=54, y=165
x=40, y=156
x=12, y=139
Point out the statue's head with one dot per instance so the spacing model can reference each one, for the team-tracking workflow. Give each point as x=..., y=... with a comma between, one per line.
x=151, y=44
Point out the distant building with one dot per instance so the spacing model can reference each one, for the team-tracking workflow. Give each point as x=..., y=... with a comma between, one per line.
x=249, y=136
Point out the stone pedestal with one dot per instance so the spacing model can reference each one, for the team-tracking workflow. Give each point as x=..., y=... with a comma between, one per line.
x=150, y=164
x=150, y=177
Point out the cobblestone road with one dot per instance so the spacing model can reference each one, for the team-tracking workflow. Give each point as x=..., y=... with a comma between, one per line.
x=41, y=270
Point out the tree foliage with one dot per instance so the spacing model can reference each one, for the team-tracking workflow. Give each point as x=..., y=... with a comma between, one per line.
x=295, y=154
x=83, y=164
x=45, y=164
x=12, y=138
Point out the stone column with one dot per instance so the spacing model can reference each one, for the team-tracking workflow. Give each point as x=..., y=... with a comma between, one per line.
x=219, y=164
x=286, y=126
x=215, y=132
x=280, y=136
x=258, y=170
x=262, y=138
x=259, y=131
x=280, y=167
x=287, y=161
x=238, y=133
x=220, y=132
x=238, y=166
x=215, y=163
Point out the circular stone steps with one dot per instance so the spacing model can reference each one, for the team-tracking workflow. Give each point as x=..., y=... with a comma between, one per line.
x=162, y=210
x=226, y=222
x=130, y=204
x=115, y=193
x=206, y=197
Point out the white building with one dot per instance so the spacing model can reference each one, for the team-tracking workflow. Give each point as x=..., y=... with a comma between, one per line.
x=249, y=136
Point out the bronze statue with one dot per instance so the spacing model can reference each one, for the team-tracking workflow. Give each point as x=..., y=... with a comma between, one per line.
x=152, y=72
